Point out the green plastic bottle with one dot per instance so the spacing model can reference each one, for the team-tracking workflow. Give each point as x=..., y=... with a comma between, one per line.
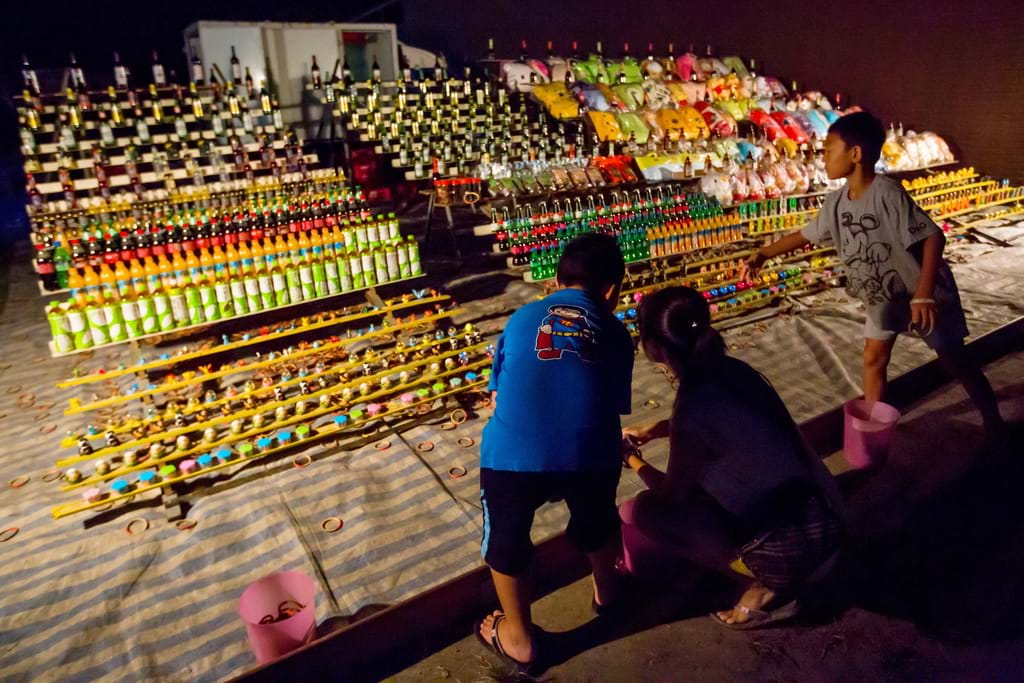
x=319, y=272
x=60, y=328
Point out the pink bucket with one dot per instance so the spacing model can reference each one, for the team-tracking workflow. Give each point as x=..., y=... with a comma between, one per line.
x=268, y=596
x=867, y=432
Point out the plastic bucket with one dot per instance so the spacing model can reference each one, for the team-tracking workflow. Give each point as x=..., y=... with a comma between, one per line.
x=867, y=432
x=265, y=598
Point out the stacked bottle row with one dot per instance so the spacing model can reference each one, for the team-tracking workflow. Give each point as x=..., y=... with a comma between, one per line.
x=160, y=295
x=169, y=230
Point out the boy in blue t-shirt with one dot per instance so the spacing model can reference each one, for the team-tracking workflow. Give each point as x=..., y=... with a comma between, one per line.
x=561, y=379
x=892, y=252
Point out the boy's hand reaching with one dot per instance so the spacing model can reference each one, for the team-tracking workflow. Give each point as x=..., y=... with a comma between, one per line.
x=923, y=314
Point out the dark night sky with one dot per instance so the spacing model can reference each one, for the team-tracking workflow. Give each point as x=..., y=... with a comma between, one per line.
x=47, y=30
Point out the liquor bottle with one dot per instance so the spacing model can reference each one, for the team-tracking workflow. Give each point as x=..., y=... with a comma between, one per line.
x=403, y=64
x=197, y=70
x=120, y=72
x=236, y=67
x=29, y=77
x=159, y=76
x=346, y=73
x=315, y=75
x=77, y=75
x=265, y=104
x=250, y=86
x=439, y=70
x=375, y=71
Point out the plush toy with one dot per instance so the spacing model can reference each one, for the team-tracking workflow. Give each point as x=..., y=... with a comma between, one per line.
x=557, y=99
x=718, y=123
x=606, y=126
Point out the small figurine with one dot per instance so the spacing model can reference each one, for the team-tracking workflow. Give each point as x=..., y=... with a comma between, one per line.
x=84, y=447
x=237, y=426
x=179, y=420
x=278, y=394
x=258, y=420
x=111, y=438
x=303, y=387
x=281, y=413
x=183, y=442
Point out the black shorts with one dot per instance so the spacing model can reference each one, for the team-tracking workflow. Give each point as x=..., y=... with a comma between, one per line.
x=509, y=500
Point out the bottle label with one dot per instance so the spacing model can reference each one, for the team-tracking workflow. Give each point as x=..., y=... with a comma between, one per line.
x=179, y=308
x=331, y=271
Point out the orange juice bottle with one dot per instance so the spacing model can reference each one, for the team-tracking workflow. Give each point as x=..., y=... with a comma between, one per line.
x=231, y=253
x=293, y=248
x=219, y=259
x=123, y=277
x=107, y=279
x=243, y=252
x=314, y=239
x=138, y=277
x=91, y=279
x=192, y=262
x=280, y=249
x=75, y=280
x=257, y=255
x=303, y=241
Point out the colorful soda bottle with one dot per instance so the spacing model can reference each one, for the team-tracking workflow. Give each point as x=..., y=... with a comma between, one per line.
x=366, y=260
x=115, y=321
x=162, y=310
x=404, y=267
x=344, y=268
x=97, y=322
x=355, y=264
x=331, y=272
x=413, y=248
x=279, y=284
x=130, y=316
x=194, y=300
x=319, y=272
x=253, y=299
x=238, y=298
x=78, y=324
x=380, y=263
x=306, y=276
x=147, y=313
x=391, y=257
x=208, y=298
x=291, y=276
x=265, y=282
x=60, y=328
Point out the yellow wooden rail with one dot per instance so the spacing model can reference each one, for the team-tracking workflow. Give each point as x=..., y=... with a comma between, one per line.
x=77, y=408
x=68, y=442
x=203, y=447
x=241, y=343
x=226, y=418
x=326, y=432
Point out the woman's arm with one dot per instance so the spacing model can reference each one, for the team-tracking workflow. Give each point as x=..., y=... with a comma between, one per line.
x=685, y=462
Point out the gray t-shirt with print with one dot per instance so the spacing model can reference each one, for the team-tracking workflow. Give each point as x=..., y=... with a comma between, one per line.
x=873, y=235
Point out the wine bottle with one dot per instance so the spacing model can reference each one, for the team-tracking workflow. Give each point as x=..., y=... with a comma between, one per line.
x=265, y=104
x=120, y=72
x=197, y=70
x=375, y=71
x=439, y=71
x=315, y=75
x=77, y=75
x=404, y=65
x=28, y=76
x=346, y=72
x=236, y=67
x=250, y=87
x=159, y=76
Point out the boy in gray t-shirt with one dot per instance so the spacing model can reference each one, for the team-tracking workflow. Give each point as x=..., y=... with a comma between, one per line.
x=892, y=251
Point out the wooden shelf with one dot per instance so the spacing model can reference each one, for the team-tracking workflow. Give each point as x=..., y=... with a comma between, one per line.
x=187, y=328
x=230, y=370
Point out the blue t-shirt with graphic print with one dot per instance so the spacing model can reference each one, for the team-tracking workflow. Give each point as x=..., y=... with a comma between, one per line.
x=562, y=369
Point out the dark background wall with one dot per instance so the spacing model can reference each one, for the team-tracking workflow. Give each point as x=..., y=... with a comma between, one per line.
x=955, y=67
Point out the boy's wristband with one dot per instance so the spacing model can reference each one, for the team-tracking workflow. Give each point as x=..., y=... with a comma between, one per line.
x=922, y=301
